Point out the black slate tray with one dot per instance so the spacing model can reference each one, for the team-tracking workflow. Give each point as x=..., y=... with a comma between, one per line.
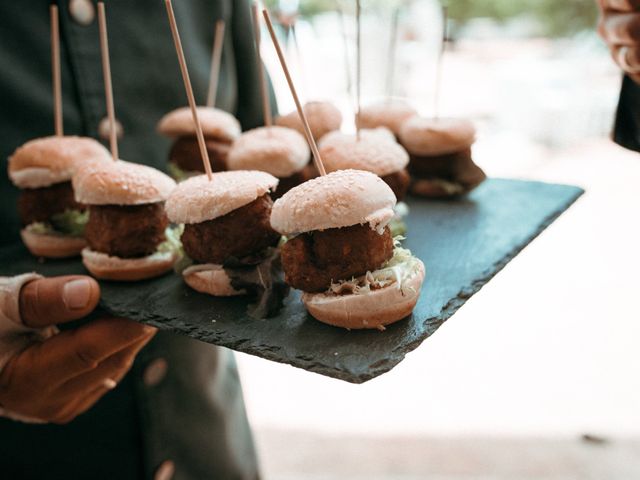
x=463, y=244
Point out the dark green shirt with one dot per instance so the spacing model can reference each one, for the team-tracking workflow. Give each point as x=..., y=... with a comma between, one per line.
x=182, y=401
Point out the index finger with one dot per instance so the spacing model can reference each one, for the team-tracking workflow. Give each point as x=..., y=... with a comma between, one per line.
x=620, y=5
x=73, y=352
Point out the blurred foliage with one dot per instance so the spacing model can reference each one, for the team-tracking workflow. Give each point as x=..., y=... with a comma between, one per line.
x=556, y=17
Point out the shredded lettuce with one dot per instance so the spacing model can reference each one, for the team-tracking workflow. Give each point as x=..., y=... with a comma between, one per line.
x=396, y=270
x=172, y=241
x=70, y=222
x=397, y=227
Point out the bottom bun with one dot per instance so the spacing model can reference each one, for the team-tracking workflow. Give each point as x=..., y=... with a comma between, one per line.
x=52, y=246
x=436, y=188
x=371, y=310
x=106, y=267
x=210, y=278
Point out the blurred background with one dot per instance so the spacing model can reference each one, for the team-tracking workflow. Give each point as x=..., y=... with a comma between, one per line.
x=538, y=375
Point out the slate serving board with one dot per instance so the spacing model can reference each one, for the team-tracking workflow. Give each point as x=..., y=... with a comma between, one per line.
x=463, y=244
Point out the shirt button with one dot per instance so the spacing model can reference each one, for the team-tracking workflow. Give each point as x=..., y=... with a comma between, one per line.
x=82, y=11
x=165, y=471
x=104, y=129
x=155, y=372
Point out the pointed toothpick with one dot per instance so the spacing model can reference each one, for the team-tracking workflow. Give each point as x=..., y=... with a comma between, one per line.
x=358, y=67
x=106, y=72
x=391, y=62
x=303, y=117
x=55, y=71
x=187, y=86
x=436, y=95
x=216, y=55
x=345, y=42
x=264, y=88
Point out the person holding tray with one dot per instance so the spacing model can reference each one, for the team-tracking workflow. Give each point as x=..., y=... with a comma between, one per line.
x=619, y=26
x=109, y=398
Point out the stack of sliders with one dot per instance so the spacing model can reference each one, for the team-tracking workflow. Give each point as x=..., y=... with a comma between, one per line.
x=440, y=149
x=340, y=252
x=226, y=227
x=53, y=220
x=128, y=234
x=220, y=129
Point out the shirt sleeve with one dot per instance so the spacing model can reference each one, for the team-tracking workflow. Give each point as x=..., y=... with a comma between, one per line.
x=627, y=124
x=14, y=335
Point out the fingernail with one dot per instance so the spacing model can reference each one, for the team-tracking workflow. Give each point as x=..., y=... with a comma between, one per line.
x=149, y=329
x=109, y=383
x=76, y=294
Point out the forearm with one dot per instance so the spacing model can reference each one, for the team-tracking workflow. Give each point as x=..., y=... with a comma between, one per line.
x=627, y=124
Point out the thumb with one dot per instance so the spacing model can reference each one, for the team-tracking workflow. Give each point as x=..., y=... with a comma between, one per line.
x=48, y=301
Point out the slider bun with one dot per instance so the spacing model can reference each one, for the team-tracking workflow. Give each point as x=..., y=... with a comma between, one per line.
x=390, y=114
x=52, y=246
x=429, y=137
x=215, y=123
x=279, y=151
x=371, y=310
x=211, y=279
x=121, y=183
x=197, y=199
x=323, y=117
x=339, y=199
x=45, y=161
x=106, y=267
x=376, y=152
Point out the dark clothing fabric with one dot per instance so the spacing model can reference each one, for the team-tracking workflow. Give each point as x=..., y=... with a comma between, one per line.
x=627, y=126
x=194, y=415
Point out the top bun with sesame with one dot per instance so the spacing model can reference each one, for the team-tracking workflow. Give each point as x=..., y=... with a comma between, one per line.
x=323, y=117
x=279, y=151
x=338, y=199
x=121, y=183
x=376, y=151
x=389, y=113
x=43, y=162
x=215, y=123
x=199, y=199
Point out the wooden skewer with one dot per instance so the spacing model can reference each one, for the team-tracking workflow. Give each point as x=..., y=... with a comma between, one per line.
x=345, y=41
x=216, y=55
x=106, y=72
x=358, y=68
x=55, y=71
x=264, y=88
x=391, y=63
x=436, y=95
x=187, y=86
x=303, y=117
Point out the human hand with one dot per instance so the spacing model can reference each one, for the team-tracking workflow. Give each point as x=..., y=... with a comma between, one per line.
x=619, y=27
x=59, y=378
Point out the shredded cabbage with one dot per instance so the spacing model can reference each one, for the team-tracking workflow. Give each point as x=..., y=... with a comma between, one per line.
x=172, y=241
x=396, y=270
x=68, y=223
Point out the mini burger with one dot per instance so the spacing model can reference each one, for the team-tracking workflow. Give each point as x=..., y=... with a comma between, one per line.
x=280, y=151
x=323, y=117
x=440, y=151
x=220, y=129
x=390, y=114
x=376, y=151
x=340, y=252
x=127, y=233
x=42, y=168
x=226, y=226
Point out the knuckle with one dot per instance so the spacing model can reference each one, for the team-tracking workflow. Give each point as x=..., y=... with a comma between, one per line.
x=86, y=358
